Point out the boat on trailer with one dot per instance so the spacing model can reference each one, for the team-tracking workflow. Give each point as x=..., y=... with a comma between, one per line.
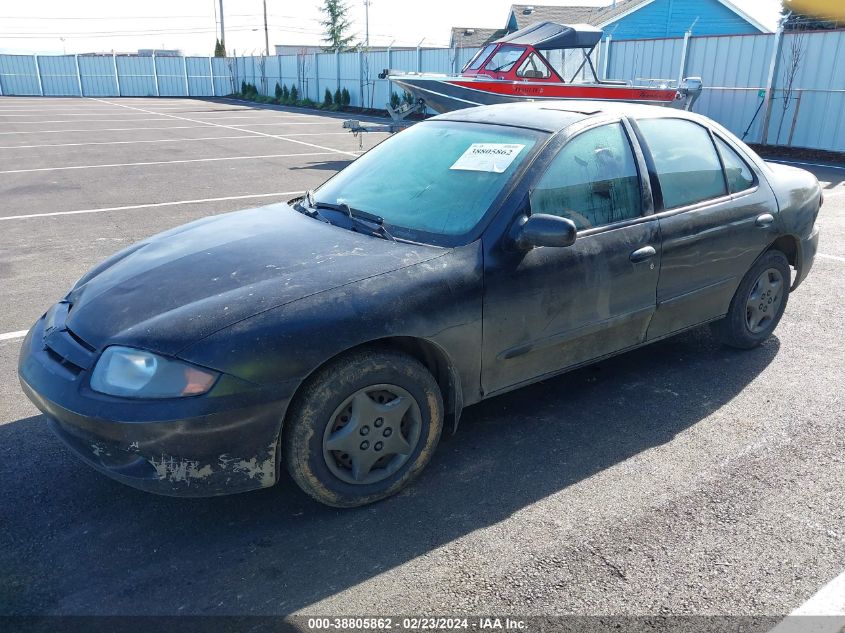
x=515, y=68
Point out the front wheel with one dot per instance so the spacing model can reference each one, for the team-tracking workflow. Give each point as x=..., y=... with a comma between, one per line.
x=362, y=428
x=758, y=304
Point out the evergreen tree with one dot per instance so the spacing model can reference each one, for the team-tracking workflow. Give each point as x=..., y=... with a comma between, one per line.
x=219, y=49
x=336, y=25
x=327, y=99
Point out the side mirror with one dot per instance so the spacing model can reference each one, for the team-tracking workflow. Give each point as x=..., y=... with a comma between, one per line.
x=544, y=230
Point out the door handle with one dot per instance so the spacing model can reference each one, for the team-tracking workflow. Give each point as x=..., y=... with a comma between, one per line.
x=765, y=220
x=643, y=254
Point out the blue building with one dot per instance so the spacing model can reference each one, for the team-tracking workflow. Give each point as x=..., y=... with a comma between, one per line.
x=627, y=20
x=646, y=19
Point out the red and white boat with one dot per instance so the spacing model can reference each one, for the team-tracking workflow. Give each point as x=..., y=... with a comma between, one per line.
x=514, y=68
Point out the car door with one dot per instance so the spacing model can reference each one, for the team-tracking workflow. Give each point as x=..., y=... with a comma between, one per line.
x=715, y=216
x=548, y=309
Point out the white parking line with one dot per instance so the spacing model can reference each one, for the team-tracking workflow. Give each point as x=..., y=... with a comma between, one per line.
x=795, y=162
x=162, y=162
x=158, y=140
x=85, y=120
x=8, y=336
x=829, y=603
x=149, y=205
x=835, y=258
x=173, y=116
x=109, y=129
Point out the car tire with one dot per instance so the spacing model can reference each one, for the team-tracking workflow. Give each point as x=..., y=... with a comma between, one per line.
x=759, y=303
x=349, y=414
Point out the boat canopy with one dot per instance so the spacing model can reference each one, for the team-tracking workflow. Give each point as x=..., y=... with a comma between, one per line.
x=553, y=36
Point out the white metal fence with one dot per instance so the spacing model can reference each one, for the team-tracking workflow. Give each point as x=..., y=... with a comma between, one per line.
x=751, y=84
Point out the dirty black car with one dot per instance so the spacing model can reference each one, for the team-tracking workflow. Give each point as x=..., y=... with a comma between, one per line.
x=338, y=334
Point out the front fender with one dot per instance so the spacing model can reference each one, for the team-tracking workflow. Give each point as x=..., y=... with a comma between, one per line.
x=437, y=301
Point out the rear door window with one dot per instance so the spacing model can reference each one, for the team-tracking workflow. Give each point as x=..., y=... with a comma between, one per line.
x=687, y=164
x=739, y=175
x=593, y=180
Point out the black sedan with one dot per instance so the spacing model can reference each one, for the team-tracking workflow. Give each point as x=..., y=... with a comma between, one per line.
x=479, y=251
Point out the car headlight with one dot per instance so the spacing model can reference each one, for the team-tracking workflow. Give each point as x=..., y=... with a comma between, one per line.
x=134, y=373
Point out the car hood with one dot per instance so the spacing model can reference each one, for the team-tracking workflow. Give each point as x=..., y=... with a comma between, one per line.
x=175, y=288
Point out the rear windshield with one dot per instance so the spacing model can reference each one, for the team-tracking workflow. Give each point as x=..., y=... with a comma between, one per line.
x=435, y=181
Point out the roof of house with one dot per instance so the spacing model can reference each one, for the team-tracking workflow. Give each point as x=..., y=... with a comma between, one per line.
x=471, y=37
x=527, y=14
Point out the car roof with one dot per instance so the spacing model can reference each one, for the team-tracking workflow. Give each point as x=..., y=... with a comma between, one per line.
x=554, y=116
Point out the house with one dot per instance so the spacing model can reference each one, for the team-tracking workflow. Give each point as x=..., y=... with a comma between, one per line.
x=463, y=37
x=630, y=19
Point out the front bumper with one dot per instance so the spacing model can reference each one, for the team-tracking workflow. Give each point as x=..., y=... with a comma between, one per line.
x=221, y=443
x=807, y=256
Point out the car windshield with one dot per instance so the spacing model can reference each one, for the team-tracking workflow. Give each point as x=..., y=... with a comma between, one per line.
x=435, y=181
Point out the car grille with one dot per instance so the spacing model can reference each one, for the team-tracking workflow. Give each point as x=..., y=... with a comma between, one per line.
x=62, y=346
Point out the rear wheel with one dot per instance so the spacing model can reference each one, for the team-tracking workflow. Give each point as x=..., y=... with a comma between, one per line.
x=363, y=428
x=758, y=304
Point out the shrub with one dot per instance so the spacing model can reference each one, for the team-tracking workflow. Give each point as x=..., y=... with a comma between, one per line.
x=243, y=87
x=408, y=98
x=278, y=91
x=395, y=100
x=308, y=103
x=345, y=98
x=338, y=99
x=285, y=94
x=327, y=99
x=294, y=94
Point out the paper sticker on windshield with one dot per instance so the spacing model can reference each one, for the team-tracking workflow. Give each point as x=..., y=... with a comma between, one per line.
x=492, y=157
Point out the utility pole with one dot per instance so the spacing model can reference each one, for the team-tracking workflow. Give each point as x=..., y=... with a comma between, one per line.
x=222, y=27
x=367, y=23
x=266, y=35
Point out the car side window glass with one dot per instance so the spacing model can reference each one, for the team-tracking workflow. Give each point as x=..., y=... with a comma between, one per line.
x=738, y=173
x=533, y=68
x=688, y=167
x=593, y=180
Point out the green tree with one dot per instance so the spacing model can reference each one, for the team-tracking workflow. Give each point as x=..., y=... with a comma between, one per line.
x=327, y=99
x=338, y=98
x=294, y=94
x=345, y=98
x=219, y=49
x=278, y=91
x=336, y=25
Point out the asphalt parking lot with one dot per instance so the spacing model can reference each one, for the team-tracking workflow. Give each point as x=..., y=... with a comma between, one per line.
x=683, y=478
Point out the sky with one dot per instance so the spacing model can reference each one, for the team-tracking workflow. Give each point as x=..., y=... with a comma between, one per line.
x=57, y=26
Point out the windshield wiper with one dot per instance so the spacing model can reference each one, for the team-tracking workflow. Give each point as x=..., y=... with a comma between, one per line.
x=310, y=208
x=372, y=224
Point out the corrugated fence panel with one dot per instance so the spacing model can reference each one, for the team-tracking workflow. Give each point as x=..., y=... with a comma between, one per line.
x=58, y=75
x=199, y=76
x=734, y=70
x=289, y=72
x=18, y=76
x=136, y=76
x=349, y=76
x=98, y=77
x=222, y=76
x=171, y=77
